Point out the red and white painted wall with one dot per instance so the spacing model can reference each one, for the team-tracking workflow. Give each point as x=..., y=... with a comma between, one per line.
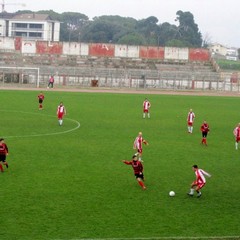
x=103, y=50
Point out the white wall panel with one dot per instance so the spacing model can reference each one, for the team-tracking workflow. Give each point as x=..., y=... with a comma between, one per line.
x=71, y=48
x=173, y=53
x=84, y=49
x=28, y=47
x=133, y=51
x=121, y=50
x=7, y=43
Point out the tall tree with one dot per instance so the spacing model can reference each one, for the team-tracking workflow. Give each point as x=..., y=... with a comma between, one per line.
x=149, y=29
x=167, y=32
x=98, y=32
x=108, y=29
x=188, y=31
x=72, y=25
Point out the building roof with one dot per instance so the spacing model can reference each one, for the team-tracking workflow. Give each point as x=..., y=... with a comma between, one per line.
x=32, y=16
x=4, y=15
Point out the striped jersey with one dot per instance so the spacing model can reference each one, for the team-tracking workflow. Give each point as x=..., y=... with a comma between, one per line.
x=190, y=117
x=146, y=105
x=61, y=109
x=200, y=175
x=236, y=132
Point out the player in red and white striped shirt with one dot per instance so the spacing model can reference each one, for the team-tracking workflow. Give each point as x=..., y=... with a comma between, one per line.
x=236, y=133
x=146, y=108
x=199, y=182
x=190, y=120
x=138, y=143
x=61, y=111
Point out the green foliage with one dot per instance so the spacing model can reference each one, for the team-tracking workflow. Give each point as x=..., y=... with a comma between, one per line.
x=99, y=32
x=228, y=64
x=74, y=186
x=188, y=31
x=176, y=43
x=107, y=29
x=125, y=30
x=132, y=39
x=72, y=24
x=147, y=26
x=144, y=32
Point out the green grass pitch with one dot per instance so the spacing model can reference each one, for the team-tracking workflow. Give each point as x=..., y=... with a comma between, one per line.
x=69, y=182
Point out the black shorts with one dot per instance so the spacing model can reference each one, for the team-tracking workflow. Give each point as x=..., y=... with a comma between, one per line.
x=40, y=101
x=204, y=134
x=139, y=176
x=2, y=158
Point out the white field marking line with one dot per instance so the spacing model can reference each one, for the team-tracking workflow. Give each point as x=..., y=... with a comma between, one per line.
x=42, y=134
x=155, y=238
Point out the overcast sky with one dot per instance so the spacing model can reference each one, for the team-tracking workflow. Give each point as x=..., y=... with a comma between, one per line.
x=219, y=20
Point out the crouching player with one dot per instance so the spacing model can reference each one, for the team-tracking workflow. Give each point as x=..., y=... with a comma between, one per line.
x=199, y=182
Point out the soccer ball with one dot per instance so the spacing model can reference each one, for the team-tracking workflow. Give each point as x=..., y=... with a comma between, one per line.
x=171, y=193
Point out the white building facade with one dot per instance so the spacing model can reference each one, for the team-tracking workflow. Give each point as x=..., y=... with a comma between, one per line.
x=30, y=26
x=228, y=52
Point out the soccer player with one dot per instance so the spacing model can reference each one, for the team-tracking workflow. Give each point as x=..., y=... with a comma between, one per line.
x=138, y=170
x=40, y=100
x=190, y=120
x=236, y=133
x=3, y=154
x=199, y=182
x=61, y=111
x=51, y=82
x=146, y=108
x=204, y=129
x=138, y=145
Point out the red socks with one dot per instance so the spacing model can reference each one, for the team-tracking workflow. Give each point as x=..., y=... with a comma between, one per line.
x=1, y=168
x=141, y=184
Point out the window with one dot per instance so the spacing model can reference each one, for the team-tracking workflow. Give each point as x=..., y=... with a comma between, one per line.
x=20, y=25
x=19, y=34
x=35, y=35
x=35, y=26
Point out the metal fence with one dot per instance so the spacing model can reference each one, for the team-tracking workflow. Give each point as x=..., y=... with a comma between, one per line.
x=120, y=78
